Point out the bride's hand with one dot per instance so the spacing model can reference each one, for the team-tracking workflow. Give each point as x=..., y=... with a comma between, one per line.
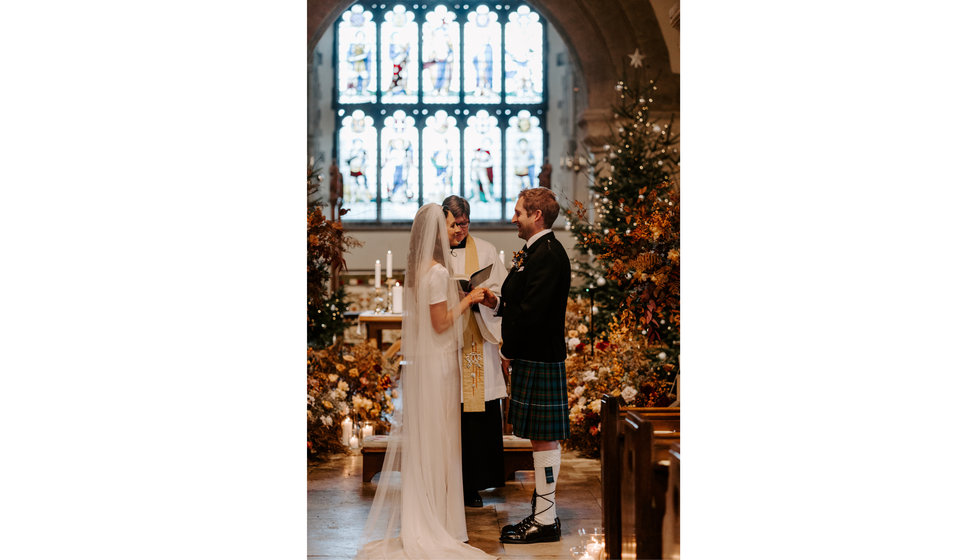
x=476, y=296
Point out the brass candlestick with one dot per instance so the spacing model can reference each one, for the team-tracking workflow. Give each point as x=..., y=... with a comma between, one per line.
x=391, y=284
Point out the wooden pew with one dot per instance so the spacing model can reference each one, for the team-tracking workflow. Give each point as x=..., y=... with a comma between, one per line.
x=644, y=482
x=612, y=469
x=672, y=512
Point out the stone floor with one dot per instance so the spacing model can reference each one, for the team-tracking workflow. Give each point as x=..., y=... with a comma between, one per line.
x=338, y=504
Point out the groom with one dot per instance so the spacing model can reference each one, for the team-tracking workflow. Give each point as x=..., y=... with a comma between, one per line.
x=532, y=303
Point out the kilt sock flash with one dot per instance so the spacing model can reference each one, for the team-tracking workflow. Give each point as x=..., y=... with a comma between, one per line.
x=546, y=466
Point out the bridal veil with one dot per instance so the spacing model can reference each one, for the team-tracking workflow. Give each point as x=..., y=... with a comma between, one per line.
x=417, y=511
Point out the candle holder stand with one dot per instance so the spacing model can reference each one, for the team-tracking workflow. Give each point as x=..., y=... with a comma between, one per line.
x=379, y=301
x=388, y=303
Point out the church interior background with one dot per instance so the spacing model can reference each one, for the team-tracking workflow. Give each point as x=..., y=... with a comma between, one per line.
x=411, y=102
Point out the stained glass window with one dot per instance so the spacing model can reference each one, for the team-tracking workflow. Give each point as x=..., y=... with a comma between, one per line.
x=523, y=64
x=437, y=99
x=440, y=168
x=355, y=76
x=440, y=63
x=525, y=146
x=482, y=55
x=357, y=147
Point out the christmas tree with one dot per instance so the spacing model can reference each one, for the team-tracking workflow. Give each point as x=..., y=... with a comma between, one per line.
x=325, y=247
x=631, y=229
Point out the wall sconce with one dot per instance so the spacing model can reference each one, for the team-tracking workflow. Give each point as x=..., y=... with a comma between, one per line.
x=574, y=163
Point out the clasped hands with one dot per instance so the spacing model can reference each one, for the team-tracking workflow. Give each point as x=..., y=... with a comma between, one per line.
x=482, y=295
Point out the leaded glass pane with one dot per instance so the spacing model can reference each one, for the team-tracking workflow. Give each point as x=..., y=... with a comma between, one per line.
x=524, y=63
x=399, y=167
x=357, y=146
x=440, y=161
x=399, y=63
x=440, y=58
x=481, y=144
x=356, y=40
x=481, y=51
x=525, y=153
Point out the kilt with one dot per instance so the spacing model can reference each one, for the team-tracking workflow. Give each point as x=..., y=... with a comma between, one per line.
x=539, y=400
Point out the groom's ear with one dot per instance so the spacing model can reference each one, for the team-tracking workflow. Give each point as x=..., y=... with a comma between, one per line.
x=538, y=215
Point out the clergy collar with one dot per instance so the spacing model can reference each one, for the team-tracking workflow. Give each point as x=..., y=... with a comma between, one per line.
x=462, y=244
x=537, y=236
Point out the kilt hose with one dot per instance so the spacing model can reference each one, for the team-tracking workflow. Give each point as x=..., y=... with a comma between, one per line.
x=539, y=400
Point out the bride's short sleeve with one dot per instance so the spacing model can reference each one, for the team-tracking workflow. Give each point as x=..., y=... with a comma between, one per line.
x=438, y=284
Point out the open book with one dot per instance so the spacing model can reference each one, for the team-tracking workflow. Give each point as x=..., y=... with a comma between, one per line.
x=474, y=280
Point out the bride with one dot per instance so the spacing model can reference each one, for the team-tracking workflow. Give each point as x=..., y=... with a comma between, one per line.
x=418, y=506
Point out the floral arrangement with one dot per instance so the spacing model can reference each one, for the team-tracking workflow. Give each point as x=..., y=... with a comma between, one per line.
x=624, y=365
x=346, y=381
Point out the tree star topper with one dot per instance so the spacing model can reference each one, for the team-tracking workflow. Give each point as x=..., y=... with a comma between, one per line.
x=636, y=59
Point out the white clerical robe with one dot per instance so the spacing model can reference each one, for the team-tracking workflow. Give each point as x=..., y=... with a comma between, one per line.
x=493, y=378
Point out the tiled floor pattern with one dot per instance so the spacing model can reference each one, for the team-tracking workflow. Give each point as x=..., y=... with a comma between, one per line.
x=338, y=503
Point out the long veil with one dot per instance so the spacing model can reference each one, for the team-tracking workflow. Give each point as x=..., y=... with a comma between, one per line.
x=406, y=519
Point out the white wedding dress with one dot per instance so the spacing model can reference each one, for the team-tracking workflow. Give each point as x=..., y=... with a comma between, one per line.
x=418, y=506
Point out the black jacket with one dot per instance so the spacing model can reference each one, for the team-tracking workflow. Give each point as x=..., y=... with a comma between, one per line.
x=533, y=300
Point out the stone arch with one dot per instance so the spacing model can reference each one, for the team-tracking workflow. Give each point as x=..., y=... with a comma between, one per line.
x=599, y=36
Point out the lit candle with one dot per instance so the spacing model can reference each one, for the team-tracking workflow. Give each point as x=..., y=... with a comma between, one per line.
x=593, y=548
x=502, y=261
x=366, y=431
x=377, y=274
x=345, y=430
x=353, y=442
x=396, y=298
x=389, y=264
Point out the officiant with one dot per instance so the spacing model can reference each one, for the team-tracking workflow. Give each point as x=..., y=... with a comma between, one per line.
x=483, y=382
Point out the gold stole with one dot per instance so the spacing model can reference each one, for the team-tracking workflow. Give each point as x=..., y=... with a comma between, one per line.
x=473, y=392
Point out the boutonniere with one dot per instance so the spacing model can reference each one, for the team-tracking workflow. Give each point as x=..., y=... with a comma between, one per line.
x=519, y=258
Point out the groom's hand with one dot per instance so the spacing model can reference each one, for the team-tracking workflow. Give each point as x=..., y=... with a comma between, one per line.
x=489, y=299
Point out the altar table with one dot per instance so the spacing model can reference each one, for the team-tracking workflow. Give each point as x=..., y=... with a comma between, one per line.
x=378, y=322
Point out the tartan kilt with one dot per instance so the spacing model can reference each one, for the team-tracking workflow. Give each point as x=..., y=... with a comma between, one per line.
x=539, y=400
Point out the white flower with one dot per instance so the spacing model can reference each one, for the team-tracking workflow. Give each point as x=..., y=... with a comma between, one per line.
x=332, y=394
x=332, y=377
x=326, y=420
x=572, y=333
x=579, y=390
x=662, y=355
x=589, y=376
x=342, y=409
x=596, y=406
x=573, y=342
x=629, y=394
x=582, y=401
x=604, y=371
x=342, y=394
x=343, y=386
x=310, y=400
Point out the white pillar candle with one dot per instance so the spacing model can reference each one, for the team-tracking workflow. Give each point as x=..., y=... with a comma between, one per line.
x=377, y=274
x=354, y=443
x=389, y=265
x=396, y=298
x=502, y=261
x=345, y=431
x=366, y=431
